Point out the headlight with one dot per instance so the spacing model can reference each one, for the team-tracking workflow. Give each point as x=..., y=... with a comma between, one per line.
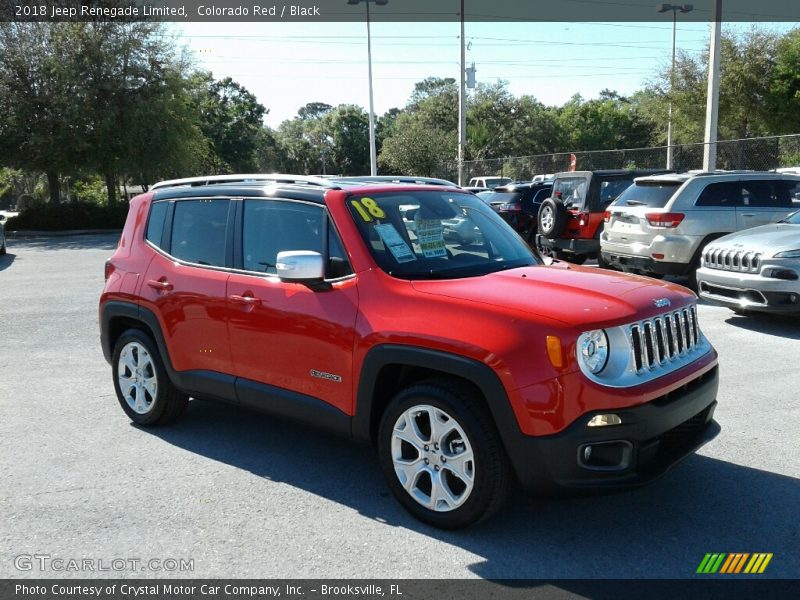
x=593, y=350
x=788, y=254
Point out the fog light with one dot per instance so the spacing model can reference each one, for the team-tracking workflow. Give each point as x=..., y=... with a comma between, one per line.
x=606, y=456
x=604, y=420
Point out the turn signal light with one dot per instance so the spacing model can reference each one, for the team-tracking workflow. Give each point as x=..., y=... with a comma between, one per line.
x=554, y=352
x=109, y=269
x=665, y=220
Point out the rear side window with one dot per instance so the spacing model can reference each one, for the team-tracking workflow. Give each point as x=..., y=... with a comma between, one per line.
x=650, y=194
x=793, y=190
x=199, y=231
x=610, y=189
x=766, y=194
x=155, y=223
x=726, y=194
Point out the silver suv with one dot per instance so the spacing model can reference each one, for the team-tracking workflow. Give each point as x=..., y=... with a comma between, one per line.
x=661, y=223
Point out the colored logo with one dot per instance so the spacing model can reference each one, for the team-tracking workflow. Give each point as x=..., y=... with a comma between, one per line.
x=735, y=562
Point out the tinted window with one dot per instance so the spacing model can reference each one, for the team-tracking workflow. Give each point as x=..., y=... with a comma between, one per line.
x=155, y=224
x=199, y=230
x=338, y=263
x=654, y=195
x=272, y=226
x=793, y=190
x=766, y=194
x=610, y=189
x=721, y=194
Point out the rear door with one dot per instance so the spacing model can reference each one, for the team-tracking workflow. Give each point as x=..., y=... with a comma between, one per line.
x=186, y=281
x=763, y=201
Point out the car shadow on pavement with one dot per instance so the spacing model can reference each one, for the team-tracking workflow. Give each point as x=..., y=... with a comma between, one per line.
x=661, y=530
x=785, y=326
x=92, y=241
x=6, y=260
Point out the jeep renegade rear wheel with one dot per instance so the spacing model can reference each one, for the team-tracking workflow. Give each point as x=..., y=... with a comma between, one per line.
x=142, y=385
x=442, y=456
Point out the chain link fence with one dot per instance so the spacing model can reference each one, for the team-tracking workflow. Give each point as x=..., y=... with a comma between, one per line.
x=760, y=154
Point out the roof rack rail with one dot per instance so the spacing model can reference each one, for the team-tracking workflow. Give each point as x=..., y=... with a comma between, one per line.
x=245, y=178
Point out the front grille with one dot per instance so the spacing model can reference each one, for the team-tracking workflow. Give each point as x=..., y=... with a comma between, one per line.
x=657, y=342
x=732, y=260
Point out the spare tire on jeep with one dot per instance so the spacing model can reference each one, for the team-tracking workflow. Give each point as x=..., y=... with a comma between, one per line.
x=552, y=218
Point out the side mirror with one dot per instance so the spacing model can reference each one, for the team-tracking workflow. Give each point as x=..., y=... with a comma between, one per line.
x=302, y=266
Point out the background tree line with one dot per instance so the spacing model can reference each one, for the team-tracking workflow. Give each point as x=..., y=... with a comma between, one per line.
x=90, y=105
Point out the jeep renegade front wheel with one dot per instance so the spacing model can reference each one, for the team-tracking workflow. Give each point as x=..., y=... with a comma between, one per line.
x=143, y=387
x=442, y=456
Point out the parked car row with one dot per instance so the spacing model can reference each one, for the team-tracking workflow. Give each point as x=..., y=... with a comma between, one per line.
x=660, y=223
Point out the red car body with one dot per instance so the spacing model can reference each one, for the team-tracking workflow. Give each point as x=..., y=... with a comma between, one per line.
x=230, y=335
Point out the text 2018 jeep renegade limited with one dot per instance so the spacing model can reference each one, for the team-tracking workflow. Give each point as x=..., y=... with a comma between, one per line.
x=467, y=363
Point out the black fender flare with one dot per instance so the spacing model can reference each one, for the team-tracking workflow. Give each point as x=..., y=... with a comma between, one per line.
x=480, y=374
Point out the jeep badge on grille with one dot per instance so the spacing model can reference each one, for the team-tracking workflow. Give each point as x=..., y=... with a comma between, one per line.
x=662, y=302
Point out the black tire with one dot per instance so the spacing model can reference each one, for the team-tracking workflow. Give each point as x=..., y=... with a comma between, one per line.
x=552, y=218
x=602, y=263
x=3, y=249
x=491, y=475
x=168, y=403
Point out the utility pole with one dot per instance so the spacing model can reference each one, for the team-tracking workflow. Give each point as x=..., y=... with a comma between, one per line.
x=462, y=97
x=712, y=101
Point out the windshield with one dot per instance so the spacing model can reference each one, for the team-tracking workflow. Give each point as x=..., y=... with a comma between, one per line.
x=793, y=218
x=648, y=193
x=435, y=235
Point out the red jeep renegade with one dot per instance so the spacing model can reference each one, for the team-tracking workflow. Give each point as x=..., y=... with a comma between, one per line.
x=466, y=361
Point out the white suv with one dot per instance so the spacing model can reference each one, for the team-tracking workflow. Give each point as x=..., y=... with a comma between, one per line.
x=660, y=224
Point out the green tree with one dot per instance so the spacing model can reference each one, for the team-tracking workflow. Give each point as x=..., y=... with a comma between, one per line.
x=784, y=94
x=347, y=127
x=231, y=120
x=41, y=120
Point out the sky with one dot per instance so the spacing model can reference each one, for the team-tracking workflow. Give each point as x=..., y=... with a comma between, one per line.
x=286, y=65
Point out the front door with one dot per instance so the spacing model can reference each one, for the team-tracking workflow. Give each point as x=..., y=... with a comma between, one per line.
x=289, y=335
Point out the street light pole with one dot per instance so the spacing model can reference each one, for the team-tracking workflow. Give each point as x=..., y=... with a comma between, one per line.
x=712, y=100
x=373, y=158
x=685, y=8
x=462, y=111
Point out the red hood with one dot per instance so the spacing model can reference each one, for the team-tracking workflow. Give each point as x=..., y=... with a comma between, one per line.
x=577, y=296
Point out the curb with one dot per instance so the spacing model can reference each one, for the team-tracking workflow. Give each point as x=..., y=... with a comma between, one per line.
x=36, y=233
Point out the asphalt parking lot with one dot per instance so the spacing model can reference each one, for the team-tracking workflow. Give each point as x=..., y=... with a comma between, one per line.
x=243, y=495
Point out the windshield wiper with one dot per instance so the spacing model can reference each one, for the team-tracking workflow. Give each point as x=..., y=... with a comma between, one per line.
x=635, y=203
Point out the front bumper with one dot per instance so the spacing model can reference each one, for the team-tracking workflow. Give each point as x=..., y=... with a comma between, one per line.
x=749, y=291
x=652, y=438
x=572, y=245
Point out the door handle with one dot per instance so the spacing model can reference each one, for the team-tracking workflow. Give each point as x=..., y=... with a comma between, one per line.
x=249, y=300
x=748, y=215
x=159, y=284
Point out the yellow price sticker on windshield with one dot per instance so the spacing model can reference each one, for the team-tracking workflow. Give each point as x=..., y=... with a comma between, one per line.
x=368, y=209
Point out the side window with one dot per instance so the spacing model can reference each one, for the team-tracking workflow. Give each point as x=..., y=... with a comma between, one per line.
x=727, y=194
x=338, y=263
x=765, y=194
x=611, y=189
x=155, y=223
x=199, y=229
x=272, y=226
x=793, y=191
